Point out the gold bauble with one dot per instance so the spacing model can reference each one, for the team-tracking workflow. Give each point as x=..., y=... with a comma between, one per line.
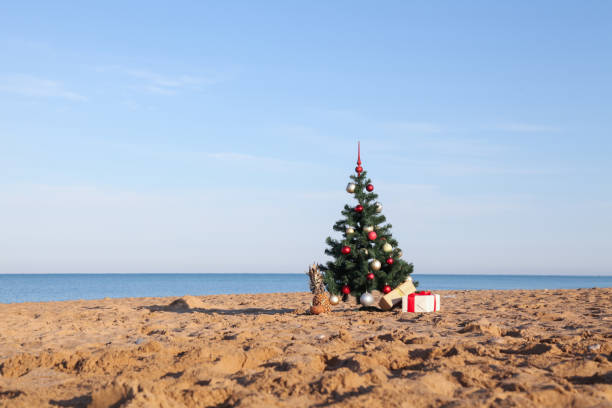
x=365, y=251
x=387, y=247
x=350, y=188
x=334, y=299
x=349, y=231
x=368, y=228
x=375, y=265
x=378, y=207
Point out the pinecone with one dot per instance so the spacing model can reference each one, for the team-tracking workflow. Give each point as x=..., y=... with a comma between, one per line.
x=320, y=301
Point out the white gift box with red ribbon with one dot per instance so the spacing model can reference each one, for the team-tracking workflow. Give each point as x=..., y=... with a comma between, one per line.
x=423, y=301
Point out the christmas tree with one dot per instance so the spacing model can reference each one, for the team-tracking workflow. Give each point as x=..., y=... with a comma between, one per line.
x=367, y=257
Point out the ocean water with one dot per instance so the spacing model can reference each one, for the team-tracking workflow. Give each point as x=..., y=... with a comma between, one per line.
x=41, y=288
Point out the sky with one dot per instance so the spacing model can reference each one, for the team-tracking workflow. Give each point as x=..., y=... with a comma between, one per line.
x=201, y=136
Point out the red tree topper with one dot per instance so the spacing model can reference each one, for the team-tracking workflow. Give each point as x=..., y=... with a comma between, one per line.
x=358, y=169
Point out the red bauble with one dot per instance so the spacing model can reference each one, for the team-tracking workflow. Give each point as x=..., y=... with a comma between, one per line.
x=386, y=289
x=359, y=208
x=346, y=250
x=370, y=187
x=358, y=169
x=370, y=276
x=346, y=290
x=372, y=235
x=389, y=261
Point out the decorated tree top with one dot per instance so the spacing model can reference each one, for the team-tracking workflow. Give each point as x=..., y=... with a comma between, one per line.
x=367, y=257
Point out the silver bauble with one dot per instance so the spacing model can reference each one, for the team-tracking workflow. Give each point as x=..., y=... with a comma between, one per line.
x=368, y=229
x=334, y=299
x=367, y=299
x=349, y=231
x=387, y=247
x=350, y=188
x=375, y=265
x=378, y=207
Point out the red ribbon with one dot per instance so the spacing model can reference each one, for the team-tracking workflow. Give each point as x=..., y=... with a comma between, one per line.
x=419, y=293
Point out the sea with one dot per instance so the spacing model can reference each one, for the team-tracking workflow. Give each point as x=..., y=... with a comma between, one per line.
x=52, y=287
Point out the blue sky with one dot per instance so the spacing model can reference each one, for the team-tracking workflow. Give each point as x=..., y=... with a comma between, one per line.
x=219, y=137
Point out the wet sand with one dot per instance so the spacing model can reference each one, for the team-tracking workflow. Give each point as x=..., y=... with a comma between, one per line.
x=484, y=348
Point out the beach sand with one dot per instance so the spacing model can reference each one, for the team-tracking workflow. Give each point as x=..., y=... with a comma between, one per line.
x=484, y=348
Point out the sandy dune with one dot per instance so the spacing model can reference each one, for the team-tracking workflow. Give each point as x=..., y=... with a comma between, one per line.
x=485, y=348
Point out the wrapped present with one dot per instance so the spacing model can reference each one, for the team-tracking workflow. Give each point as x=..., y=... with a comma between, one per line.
x=423, y=301
x=395, y=296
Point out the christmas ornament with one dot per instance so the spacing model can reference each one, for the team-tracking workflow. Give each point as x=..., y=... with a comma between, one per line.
x=346, y=250
x=370, y=276
x=346, y=290
x=368, y=228
x=370, y=187
x=375, y=265
x=365, y=251
x=386, y=289
x=372, y=235
x=389, y=261
x=349, y=231
x=367, y=299
x=334, y=299
x=378, y=207
x=359, y=169
x=399, y=254
x=359, y=208
x=350, y=188
x=387, y=247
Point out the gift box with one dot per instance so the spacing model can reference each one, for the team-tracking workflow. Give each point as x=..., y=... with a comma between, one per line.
x=423, y=301
x=395, y=296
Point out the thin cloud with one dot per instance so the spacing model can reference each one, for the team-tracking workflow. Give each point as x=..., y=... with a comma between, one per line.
x=231, y=156
x=159, y=90
x=159, y=84
x=526, y=128
x=31, y=86
x=415, y=127
x=463, y=168
x=463, y=147
x=169, y=81
x=249, y=158
x=467, y=169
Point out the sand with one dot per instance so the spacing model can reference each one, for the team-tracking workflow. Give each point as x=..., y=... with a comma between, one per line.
x=484, y=348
